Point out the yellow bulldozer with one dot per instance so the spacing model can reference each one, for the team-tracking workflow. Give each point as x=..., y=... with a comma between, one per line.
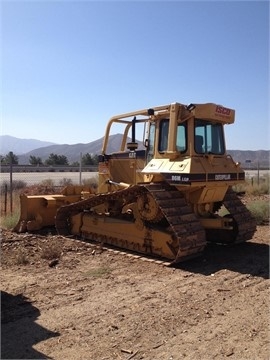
x=165, y=195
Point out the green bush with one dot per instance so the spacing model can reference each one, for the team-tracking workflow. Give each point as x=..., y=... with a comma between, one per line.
x=10, y=220
x=260, y=210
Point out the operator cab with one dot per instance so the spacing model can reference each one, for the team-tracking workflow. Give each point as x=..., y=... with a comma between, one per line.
x=193, y=137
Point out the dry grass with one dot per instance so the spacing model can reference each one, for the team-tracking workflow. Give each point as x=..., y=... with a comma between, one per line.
x=91, y=182
x=260, y=210
x=253, y=188
x=21, y=258
x=10, y=207
x=98, y=272
x=51, y=251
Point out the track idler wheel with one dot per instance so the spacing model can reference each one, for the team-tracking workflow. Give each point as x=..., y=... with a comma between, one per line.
x=148, y=209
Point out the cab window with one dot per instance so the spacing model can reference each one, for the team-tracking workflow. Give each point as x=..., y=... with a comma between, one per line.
x=208, y=138
x=151, y=142
x=181, y=136
x=163, y=135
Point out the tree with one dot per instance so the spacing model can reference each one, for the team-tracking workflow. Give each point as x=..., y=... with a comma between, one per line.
x=75, y=163
x=95, y=159
x=55, y=159
x=33, y=160
x=87, y=159
x=10, y=158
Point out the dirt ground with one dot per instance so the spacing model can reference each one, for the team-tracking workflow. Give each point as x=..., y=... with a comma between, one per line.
x=66, y=299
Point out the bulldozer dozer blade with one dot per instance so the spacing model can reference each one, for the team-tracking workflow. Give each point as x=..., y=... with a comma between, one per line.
x=38, y=211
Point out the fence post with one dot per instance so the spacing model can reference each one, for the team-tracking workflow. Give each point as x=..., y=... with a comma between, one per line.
x=80, y=179
x=11, y=187
x=5, y=197
x=258, y=173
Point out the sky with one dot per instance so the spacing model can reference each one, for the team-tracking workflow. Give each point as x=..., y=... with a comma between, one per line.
x=68, y=66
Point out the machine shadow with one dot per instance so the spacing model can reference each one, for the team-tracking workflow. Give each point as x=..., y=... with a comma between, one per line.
x=19, y=331
x=246, y=258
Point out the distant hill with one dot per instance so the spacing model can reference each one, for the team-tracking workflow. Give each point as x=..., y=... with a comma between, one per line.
x=251, y=159
x=20, y=146
x=72, y=152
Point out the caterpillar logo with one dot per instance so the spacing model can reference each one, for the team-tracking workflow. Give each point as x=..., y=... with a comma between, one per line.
x=223, y=177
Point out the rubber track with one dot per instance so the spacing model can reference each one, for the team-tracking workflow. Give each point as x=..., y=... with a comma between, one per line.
x=187, y=232
x=246, y=224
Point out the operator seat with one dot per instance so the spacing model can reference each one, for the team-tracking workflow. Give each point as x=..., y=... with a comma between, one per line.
x=199, y=144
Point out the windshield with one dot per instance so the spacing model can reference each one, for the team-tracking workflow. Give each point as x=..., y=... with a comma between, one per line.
x=208, y=138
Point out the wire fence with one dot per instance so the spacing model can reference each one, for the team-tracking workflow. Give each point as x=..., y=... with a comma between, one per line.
x=19, y=179
x=36, y=174
x=35, y=180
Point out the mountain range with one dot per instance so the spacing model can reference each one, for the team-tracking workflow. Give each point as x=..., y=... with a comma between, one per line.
x=24, y=148
x=20, y=146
